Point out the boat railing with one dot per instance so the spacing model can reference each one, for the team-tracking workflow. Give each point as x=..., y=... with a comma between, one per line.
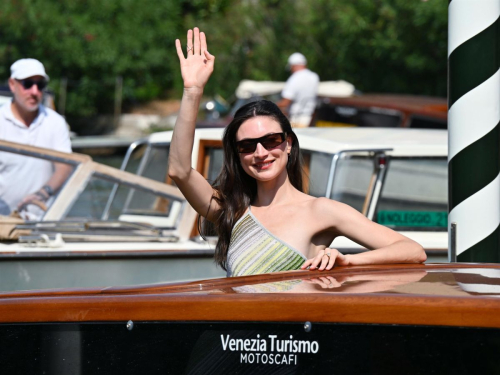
x=105, y=231
x=377, y=178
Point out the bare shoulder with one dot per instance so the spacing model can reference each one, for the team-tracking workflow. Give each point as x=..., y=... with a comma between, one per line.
x=331, y=211
x=328, y=206
x=325, y=210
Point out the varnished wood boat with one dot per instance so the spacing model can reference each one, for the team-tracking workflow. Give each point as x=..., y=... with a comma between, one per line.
x=376, y=110
x=412, y=319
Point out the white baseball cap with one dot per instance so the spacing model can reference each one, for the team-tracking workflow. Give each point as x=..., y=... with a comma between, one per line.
x=25, y=68
x=296, y=59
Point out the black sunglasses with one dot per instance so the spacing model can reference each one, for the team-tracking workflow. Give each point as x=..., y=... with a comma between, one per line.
x=28, y=83
x=269, y=142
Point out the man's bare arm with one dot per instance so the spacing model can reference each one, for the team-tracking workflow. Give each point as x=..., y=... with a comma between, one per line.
x=284, y=104
x=58, y=178
x=60, y=175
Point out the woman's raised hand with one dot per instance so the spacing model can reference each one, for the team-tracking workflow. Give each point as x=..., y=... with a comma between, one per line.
x=325, y=260
x=197, y=67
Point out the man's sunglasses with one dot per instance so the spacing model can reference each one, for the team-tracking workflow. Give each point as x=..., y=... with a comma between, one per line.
x=28, y=83
x=269, y=142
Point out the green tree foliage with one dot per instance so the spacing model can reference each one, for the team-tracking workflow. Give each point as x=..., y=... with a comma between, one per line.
x=91, y=42
x=385, y=46
x=378, y=45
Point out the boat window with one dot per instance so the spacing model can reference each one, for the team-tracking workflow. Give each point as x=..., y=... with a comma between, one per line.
x=18, y=186
x=135, y=158
x=352, y=179
x=318, y=165
x=415, y=194
x=129, y=204
x=106, y=151
x=156, y=164
x=92, y=200
x=215, y=160
x=151, y=161
x=328, y=115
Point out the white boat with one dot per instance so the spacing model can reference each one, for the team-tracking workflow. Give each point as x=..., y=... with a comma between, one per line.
x=85, y=239
x=432, y=318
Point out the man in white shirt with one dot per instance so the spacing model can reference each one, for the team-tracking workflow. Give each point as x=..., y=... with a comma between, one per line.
x=23, y=179
x=300, y=92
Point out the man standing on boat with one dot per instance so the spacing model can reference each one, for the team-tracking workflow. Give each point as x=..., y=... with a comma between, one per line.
x=25, y=180
x=300, y=92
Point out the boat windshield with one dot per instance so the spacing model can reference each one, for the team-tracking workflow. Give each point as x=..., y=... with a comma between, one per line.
x=414, y=195
x=94, y=194
x=18, y=191
x=403, y=193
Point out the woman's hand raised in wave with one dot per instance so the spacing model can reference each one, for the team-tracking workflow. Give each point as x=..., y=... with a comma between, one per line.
x=325, y=260
x=197, y=67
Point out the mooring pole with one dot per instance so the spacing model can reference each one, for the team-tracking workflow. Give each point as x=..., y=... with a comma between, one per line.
x=474, y=129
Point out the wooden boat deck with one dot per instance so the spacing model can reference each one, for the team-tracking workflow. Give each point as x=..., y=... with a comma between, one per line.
x=399, y=294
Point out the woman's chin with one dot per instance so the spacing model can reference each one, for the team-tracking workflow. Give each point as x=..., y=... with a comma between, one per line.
x=268, y=174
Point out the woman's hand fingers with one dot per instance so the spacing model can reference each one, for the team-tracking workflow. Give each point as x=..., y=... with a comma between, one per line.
x=198, y=65
x=203, y=41
x=210, y=60
x=313, y=262
x=335, y=258
x=196, y=41
x=325, y=260
x=306, y=264
x=189, y=44
x=342, y=260
x=316, y=260
x=328, y=260
x=332, y=255
x=178, y=47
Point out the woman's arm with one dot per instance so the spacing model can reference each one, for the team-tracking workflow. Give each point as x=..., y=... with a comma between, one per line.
x=196, y=69
x=387, y=246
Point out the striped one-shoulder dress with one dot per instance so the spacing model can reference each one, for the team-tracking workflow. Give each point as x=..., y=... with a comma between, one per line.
x=254, y=250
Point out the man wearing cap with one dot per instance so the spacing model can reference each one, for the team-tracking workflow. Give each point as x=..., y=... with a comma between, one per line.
x=24, y=180
x=300, y=91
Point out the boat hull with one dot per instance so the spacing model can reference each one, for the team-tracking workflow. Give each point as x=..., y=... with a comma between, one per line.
x=58, y=271
x=244, y=348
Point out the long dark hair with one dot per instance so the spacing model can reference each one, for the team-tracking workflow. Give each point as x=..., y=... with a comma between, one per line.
x=236, y=190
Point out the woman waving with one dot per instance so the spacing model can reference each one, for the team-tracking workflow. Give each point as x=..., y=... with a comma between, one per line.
x=264, y=221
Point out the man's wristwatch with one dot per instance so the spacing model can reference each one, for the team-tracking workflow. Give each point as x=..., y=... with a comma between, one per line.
x=48, y=190
x=42, y=197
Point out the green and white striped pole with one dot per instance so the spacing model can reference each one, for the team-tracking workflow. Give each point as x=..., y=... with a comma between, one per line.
x=474, y=133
